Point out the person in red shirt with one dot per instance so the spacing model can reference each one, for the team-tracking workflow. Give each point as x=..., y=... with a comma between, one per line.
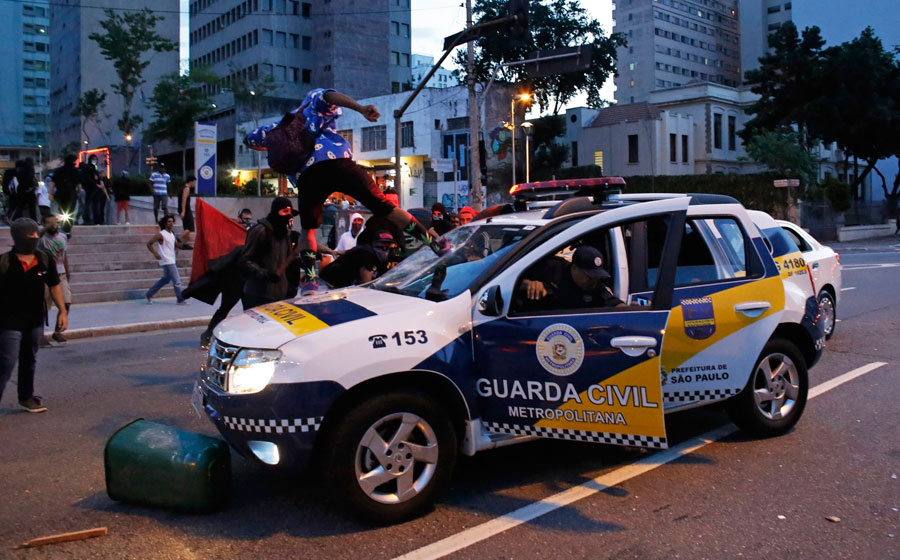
x=24, y=271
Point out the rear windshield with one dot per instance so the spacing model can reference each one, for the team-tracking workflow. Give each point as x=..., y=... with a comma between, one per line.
x=782, y=244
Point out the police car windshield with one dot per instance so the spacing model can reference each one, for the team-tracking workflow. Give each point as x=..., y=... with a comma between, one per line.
x=473, y=249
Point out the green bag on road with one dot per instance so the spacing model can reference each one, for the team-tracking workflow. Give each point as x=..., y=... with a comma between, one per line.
x=153, y=464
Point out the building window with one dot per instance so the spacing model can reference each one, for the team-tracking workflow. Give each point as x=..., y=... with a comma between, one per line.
x=787, y=6
x=574, y=154
x=673, y=148
x=407, y=137
x=307, y=8
x=281, y=39
x=732, y=133
x=598, y=159
x=632, y=148
x=395, y=87
x=405, y=59
x=684, y=148
x=307, y=75
x=307, y=43
x=374, y=138
x=404, y=30
x=774, y=9
x=348, y=136
x=267, y=37
x=395, y=27
x=717, y=131
x=395, y=58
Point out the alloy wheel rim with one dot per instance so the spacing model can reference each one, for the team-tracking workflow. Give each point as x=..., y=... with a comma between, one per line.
x=396, y=458
x=776, y=386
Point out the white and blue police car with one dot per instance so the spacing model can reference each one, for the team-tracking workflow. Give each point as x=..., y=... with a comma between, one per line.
x=380, y=387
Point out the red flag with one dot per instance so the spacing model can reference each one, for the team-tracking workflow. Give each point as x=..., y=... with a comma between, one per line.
x=217, y=235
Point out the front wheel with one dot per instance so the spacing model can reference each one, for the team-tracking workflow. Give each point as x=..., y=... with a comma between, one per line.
x=391, y=455
x=829, y=317
x=775, y=395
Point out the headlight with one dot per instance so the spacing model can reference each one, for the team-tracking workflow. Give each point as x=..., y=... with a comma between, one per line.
x=252, y=370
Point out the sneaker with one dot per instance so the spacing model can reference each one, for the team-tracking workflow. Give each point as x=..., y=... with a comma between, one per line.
x=182, y=302
x=309, y=288
x=127, y=223
x=205, y=339
x=149, y=300
x=58, y=337
x=33, y=404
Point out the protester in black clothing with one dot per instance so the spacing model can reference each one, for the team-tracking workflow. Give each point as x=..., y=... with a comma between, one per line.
x=267, y=255
x=558, y=284
x=121, y=188
x=440, y=221
x=24, y=271
x=184, y=209
x=360, y=264
x=95, y=196
x=21, y=186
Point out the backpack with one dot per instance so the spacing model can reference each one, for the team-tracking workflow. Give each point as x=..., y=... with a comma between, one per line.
x=290, y=143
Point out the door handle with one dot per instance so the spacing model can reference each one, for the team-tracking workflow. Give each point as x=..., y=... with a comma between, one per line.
x=753, y=309
x=633, y=346
x=815, y=266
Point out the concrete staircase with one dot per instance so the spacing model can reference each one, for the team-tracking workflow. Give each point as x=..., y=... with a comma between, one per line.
x=110, y=263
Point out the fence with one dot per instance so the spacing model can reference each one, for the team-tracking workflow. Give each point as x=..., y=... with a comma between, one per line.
x=823, y=222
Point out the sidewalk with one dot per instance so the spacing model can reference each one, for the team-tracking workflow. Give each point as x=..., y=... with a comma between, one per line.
x=129, y=316
x=889, y=243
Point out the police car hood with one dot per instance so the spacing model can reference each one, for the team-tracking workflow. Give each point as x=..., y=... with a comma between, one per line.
x=275, y=324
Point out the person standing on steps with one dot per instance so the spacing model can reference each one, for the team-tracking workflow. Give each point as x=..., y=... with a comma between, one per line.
x=56, y=245
x=184, y=209
x=24, y=272
x=329, y=168
x=162, y=247
x=160, y=181
x=121, y=187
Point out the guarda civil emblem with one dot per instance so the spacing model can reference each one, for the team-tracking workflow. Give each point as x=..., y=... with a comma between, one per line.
x=699, y=317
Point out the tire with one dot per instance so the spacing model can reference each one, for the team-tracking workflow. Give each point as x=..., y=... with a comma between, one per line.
x=828, y=310
x=770, y=406
x=390, y=456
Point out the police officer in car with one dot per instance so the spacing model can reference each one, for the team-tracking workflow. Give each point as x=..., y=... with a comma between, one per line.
x=558, y=284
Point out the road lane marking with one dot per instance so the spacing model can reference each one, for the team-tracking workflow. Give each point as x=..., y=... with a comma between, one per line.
x=848, y=289
x=868, y=266
x=486, y=530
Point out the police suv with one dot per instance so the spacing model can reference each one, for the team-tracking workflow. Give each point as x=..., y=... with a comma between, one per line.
x=380, y=387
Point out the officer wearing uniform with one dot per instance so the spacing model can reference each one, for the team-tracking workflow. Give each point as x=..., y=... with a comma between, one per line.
x=558, y=284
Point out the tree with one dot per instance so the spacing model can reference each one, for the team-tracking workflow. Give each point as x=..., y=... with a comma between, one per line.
x=178, y=101
x=125, y=39
x=784, y=153
x=548, y=156
x=553, y=24
x=88, y=108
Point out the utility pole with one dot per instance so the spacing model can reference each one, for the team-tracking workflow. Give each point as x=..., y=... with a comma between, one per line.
x=474, y=121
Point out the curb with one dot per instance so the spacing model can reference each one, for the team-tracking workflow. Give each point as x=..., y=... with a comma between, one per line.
x=91, y=332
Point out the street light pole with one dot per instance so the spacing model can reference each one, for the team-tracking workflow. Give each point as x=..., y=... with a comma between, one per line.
x=529, y=130
x=512, y=116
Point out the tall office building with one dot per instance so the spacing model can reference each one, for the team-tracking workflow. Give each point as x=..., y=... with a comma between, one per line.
x=78, y=66
x=362, y=49
x=759, y=18
x=673, y=43
x=25, y=67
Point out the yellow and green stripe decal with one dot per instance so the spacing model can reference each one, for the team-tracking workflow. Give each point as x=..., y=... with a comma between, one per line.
x=293, y=318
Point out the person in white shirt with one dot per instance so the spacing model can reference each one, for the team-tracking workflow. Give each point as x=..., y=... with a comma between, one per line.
x=162, y=246
x=43, y=200
x=348, y=238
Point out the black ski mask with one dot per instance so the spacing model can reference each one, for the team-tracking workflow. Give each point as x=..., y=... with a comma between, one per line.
x=21, y=229
x=279, y=222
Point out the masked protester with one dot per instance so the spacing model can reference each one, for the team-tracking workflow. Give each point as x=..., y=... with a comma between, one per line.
x=56, y=245
x=440, y=222
x=24, y=273
x=267, y=255
x=361, y=264
x=349, y=238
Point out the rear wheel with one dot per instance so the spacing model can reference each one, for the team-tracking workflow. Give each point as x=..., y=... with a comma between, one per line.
x=391, y=455
x=775, y=395
x=827, y=309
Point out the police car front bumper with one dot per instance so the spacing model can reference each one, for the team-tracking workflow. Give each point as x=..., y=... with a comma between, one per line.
x=277, y=426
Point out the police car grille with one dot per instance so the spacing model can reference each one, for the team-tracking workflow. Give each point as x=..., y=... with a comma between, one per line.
x=217, y=363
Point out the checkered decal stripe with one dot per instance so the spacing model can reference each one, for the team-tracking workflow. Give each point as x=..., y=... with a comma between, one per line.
x=695, y=301
x=699, y=395
x=577, y=435
x=290, y=426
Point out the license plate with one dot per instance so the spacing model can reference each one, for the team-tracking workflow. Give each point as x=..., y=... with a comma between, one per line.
x=197, y=401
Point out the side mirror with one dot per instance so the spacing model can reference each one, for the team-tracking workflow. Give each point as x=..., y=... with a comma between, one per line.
x=491, y=302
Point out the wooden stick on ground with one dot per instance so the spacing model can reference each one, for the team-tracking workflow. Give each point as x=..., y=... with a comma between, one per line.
x=64, y=537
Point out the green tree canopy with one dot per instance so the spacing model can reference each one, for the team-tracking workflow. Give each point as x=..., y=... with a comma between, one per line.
x=126, y=38
x=784, y=153
x=553, y=24
x=88, y=108
x=178, y=102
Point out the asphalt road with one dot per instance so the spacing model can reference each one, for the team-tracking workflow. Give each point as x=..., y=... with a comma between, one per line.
x=735, y=497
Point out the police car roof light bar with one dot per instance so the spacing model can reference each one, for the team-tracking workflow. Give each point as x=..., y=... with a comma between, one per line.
x=592, y=186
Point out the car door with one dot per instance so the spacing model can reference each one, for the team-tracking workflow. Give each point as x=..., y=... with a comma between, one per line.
x=584, y=374
x=727, y=303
